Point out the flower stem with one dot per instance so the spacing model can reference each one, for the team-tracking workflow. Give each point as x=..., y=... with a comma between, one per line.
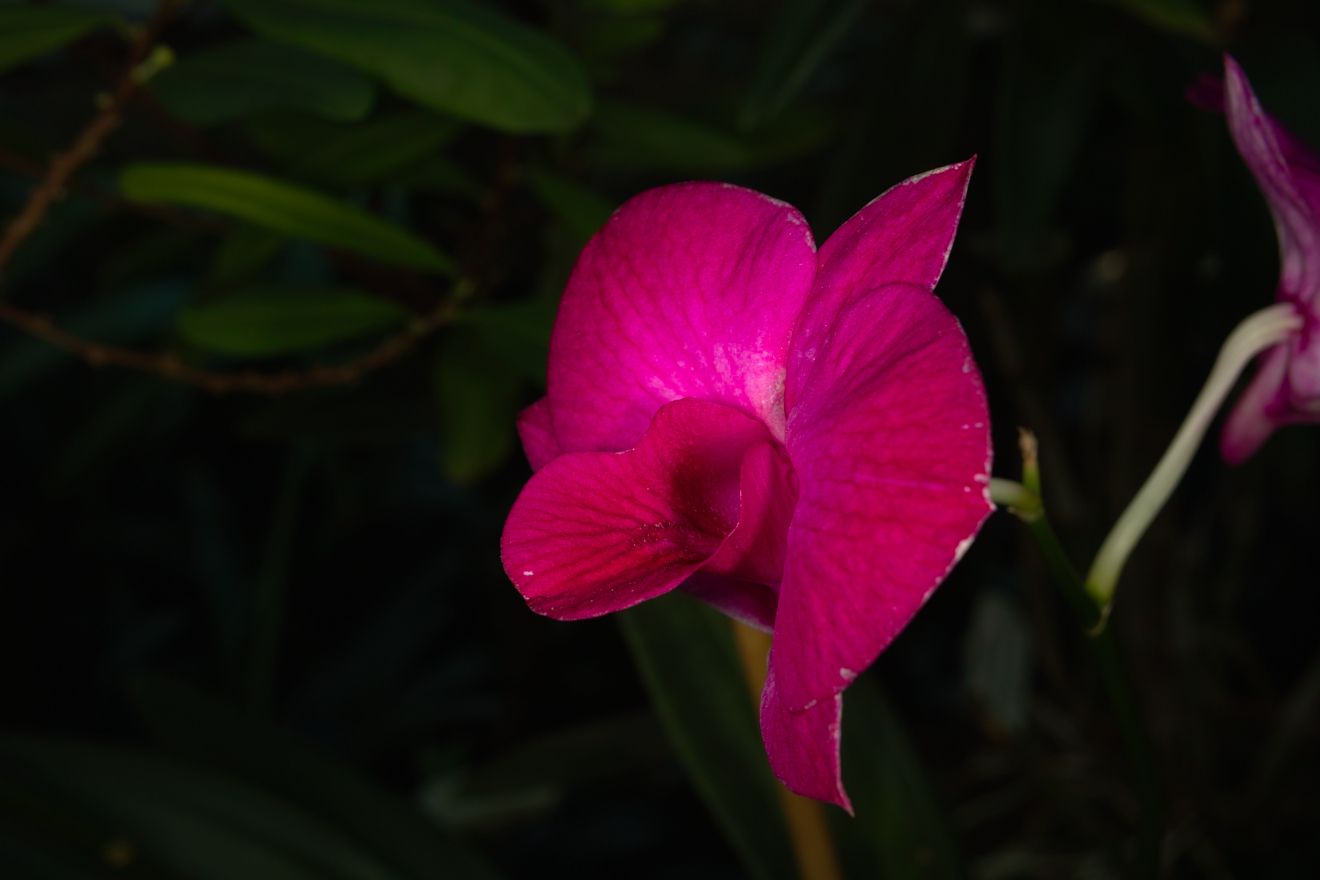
x=1025, y=501
x=807, y=830
x=1257, y=333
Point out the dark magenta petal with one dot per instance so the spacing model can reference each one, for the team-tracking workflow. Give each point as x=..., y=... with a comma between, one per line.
x=597, y=532
x=1266, y=405
x=754, y=551
x=753, y=604
x=689, y=290
x=891, y=445
x=1289, y=176
x=537, y=431
x=901, y=237
x=803, y=746
x=1252, y=420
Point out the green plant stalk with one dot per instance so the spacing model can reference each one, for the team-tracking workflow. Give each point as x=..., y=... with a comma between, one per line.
x=1259, y=331
x=1025, y=501
x=270, y=590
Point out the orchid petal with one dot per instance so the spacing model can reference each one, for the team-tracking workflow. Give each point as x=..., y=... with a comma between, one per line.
x=1287, y=174
x=1250, y=424
x=901, y=237
x=753, y=604
x=537, y=431
x=598, y=532
x=803, y=746
x=689, y=290
x=1269, y=403
x=755, y=549
x=890, y=441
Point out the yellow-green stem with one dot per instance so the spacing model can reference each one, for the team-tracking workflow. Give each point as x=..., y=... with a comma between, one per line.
x=1258, y=332
x=813, y=847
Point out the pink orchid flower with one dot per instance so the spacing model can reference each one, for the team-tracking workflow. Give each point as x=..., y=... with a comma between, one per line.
x=799, y=438
x=1286, y=389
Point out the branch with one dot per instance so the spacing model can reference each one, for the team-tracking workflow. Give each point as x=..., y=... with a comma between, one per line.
x=88, y=142
x=167, y=365
x=170, y=366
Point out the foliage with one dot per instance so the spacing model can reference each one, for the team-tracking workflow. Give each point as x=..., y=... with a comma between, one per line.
x=267, y=634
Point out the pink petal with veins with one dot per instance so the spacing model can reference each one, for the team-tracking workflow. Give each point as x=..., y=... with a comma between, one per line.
x=1250, y=424
x=901, y=237
x=596, y=532
x=689, y=290
x=1288, y=174
x=755, y=549
x=537, y=432
x=753, y=604
x=803, y=746
x=890, y=440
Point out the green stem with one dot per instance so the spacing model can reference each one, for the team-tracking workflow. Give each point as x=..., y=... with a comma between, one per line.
x=270, y=594
x=1104, y=650
x=1258, y=332
x=1118, y=688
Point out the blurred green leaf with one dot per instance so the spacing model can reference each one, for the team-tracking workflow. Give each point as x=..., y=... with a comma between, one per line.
x=449, y=55
x=518, y=332
x=239, y=746
x=635, y=138
x=265, y=321
x=800, y=37
x=243, y=252
x=441, y=175
x=998, y=663
x=246, y=77
x=201, y=824
x=899, y=831
x=29, y=31
x=1046, y=100
x=279, y=206
x=1188, y=18
x=536, y=777
x=478, y=395
x=582, y=211
x=353, y=154
x=686, y=655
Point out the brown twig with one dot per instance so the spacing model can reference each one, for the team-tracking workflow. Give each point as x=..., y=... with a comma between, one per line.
x=168, y=365
x=88, y=142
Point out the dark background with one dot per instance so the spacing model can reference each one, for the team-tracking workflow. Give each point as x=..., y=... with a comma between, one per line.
x=269, y=635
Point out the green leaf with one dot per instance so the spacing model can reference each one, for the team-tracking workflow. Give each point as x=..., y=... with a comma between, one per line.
x=240, y=79
x=242, y=253
x=29, y=31
x=899, y=831
x=800, y=37
x=478, y=395
x=202, y=825
x=634, y=137
x=517, y=332
x=1187, y=18
x=239, y=746
x=582, y=211
x=265, y=321
x=449, y=55
x=537, y=776
x=686, y=655
x=280, y=207
x=353, y=154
